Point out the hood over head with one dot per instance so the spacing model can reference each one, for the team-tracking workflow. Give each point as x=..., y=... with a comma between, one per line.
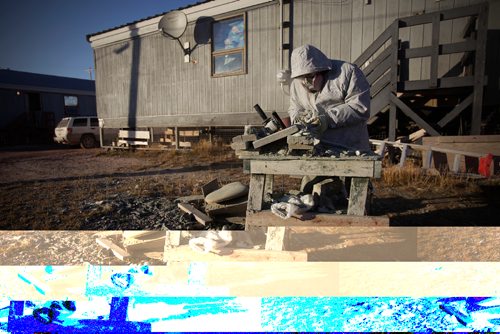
x=307, y=59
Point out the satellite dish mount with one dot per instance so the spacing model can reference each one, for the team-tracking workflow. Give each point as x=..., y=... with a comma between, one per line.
x=173, y=25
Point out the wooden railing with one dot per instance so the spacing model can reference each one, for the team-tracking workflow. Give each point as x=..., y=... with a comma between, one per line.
x=383, y=64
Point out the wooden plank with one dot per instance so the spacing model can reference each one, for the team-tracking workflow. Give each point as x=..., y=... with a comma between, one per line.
x=268, y=185
x=456, y=163
x=244, y=138
x=117, y=251
x=394, y=30
x=276, y=136
x=172, y=239
x=185, y=253
x=232, y=209
x=468, y=139
x=381, y=150
x=132, y=142
x=415, y=20
x=381, y=69
x=450, y=82
x=256, y=192
x=427, y=159
x=361, y=168
x=404, y=153
x=190, y=198
x=198, y=215
x=134, y=134
x=141, y=234
x=436, y=21
x=424, y=148
x=468, y=45
x=176, y=137
x=462, y=12
x=380, y=101
x=479, y=67
x=189, y=133
x=392, y=120
x=241, y=146
x=456, y=111
x=267, y=218
x=133, y=245
x=358, y=196
x=416, y=52
x=277, y=238
x=410, y=113
x=377, y=61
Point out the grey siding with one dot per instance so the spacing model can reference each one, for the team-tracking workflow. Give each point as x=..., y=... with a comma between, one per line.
x=343, y=29
x=144, y=81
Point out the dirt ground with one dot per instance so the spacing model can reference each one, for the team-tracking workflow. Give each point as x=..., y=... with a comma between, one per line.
x=51, y=188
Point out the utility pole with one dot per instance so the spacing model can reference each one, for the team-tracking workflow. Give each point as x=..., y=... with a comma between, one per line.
x=90, y=72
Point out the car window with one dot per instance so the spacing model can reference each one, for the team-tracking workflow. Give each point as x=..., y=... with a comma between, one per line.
x=63, y=123
x=80, y=122
x=94, y=122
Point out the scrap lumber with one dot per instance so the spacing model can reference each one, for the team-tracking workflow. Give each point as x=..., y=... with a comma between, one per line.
x=197, y=214
x=277, y=238
x=235, y=207
x=276, y=136
x=267, y=218
x=190, y=198
x=110, y=245
x=185, y=253
x=300, y=143
x=244, y=138
x=146, y=242
x=241, y=146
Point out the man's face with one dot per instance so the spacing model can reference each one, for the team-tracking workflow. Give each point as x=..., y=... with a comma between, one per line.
x=312, y=82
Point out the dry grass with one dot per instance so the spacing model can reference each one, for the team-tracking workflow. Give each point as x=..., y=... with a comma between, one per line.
x=417, y=178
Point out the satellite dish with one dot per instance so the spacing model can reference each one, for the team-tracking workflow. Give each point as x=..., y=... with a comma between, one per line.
x=173, y=24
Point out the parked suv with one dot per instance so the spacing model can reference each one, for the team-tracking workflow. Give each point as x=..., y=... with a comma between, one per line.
x=83, y=131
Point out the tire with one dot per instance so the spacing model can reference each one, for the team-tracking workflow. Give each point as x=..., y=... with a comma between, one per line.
x=88, y=141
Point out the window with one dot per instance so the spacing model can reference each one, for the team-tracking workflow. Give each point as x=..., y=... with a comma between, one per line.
x=71, y=105
x=79, y=122
x=70, y=101
x=229, y=46
x=94, y=122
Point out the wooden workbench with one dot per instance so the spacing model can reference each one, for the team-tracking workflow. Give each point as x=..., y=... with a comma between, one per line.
x=262, y=169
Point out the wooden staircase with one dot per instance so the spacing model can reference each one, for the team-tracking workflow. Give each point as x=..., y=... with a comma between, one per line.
x=396, y=99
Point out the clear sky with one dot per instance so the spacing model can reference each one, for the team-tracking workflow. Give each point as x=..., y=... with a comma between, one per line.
x=49, y=36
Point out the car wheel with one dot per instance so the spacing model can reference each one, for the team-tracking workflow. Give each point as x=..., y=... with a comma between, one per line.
x=88, y=141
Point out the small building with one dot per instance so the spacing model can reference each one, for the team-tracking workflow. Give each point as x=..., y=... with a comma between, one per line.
x=425, y=61
x=32, y=104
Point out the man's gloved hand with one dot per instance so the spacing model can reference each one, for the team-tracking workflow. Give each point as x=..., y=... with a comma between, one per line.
x=318, y=125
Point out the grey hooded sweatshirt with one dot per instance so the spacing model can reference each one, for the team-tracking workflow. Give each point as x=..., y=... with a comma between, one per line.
x=344, y=98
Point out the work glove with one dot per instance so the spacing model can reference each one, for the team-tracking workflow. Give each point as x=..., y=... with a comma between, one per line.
x=317, y=125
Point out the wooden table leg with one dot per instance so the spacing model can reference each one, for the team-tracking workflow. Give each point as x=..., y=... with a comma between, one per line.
x=268, y=187
x=256, y=192
x=277, y=238
x=358, y=196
